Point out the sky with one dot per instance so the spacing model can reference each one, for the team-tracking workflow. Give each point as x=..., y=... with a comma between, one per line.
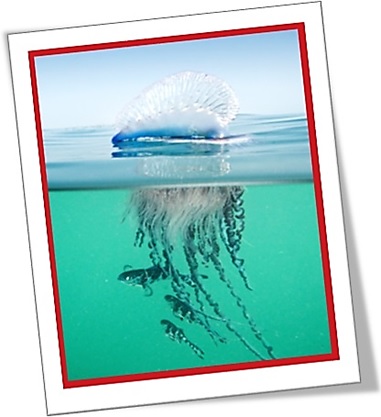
x=92, y=88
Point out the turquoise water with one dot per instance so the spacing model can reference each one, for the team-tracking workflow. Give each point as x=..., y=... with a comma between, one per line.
x=112, y=329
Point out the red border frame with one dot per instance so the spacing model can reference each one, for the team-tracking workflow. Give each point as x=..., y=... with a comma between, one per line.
x=334, y=355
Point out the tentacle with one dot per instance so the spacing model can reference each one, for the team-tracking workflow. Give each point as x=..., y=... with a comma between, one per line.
x=177, y=283
x=201, y=236
x=190, y=281
x=221, y=272
x=190, y=252
x=190, y=256
x=192, y=262
x=139, y=237
x=154, y=253
x=239, y=213
x=137, y=204
x=233, y=213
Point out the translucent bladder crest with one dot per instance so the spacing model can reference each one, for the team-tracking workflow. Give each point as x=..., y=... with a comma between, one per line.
x=187, y=104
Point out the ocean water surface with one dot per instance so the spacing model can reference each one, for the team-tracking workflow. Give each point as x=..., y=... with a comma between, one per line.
x=262, y=149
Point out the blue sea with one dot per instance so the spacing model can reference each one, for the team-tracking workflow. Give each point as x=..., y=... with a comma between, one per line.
x=112, y=329
x=261, y=150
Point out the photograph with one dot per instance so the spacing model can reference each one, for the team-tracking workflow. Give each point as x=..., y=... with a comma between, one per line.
x=185, y=236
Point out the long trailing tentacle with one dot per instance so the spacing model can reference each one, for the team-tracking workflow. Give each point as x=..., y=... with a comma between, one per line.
x=190, y=253
x=190, y=256
x=193, y=278
x=221, y=272
x=177, y=284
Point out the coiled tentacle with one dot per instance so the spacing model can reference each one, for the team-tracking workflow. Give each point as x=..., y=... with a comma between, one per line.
x=190, y=255
x=191, y=258
x=231, y=233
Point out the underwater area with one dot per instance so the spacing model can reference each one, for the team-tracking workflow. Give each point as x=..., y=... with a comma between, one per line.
x=238, y=281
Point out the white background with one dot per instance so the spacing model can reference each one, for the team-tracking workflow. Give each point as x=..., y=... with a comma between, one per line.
x=352, y=46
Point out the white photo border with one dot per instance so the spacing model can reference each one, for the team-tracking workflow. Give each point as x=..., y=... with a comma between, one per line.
x=170, y=389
